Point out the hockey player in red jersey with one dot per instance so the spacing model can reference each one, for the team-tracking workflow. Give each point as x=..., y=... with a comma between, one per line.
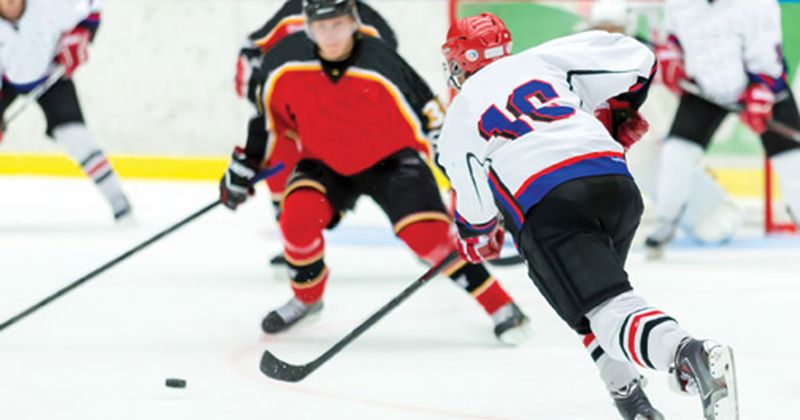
x=540, y=137
x=363, y=117
x=290, y=19
x=35, y=36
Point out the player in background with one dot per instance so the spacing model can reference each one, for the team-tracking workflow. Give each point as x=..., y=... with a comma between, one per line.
x=363, y=118
x=290, y=19
x=540, y=138
x=730, y=50
x=711, y=214
x=35, y=36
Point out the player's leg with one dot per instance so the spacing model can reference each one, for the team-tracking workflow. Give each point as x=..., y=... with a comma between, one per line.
x=404, y=187
x=7, y=96
x=785, y=154
x=695, y=123
x=66, y=126
x=314, y=197
x=569, y=239
x=284, y=153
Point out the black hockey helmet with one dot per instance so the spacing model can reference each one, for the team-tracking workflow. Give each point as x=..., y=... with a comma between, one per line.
x=326, y=9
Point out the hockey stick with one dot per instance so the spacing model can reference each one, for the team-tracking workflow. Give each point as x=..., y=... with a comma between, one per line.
x=506, y=261
x=66, y=289
x=35, y=94
x=776, y=127
x=282, y=371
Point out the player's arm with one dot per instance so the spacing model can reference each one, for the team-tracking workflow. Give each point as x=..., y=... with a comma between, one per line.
x=261, y=41
x=613, y=77
x=460, y=155
x=236, y=183
x=371, y=19
x=73, y=47
x=763, y=60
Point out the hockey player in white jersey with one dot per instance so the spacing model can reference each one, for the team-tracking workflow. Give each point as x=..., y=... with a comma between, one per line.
x=35, y=37
x=731, y=51
x=540, y=138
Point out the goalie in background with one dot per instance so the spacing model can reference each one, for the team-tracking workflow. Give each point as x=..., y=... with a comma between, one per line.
x=740, y=65
x=60, y=31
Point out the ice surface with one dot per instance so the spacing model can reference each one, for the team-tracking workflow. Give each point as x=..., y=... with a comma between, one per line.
x=190, y=307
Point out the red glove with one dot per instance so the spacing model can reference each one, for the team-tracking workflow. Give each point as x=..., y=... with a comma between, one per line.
x=670, y=63
x=73, y=49
x=482, y=247
x=629, y=131
x=757, y=100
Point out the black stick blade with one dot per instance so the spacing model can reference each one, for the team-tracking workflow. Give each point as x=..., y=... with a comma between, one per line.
x=282, y=371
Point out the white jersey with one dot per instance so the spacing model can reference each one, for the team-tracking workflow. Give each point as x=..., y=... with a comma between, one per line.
x=28, y=46
x=525, y=124
x=728, y=43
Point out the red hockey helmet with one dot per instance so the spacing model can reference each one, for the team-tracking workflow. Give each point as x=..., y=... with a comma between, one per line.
x=473, y=42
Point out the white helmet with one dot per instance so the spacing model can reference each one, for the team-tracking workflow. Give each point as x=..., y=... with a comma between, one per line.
x=609, y=12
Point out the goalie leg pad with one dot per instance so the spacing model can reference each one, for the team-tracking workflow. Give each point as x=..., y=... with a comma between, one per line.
x=679, y=160
x=787, y=166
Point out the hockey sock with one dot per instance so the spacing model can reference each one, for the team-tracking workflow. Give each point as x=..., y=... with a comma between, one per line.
x=306, y=212
x=628, y=330
x=787, y=166
x=430, y=240
x=679, y=160
x=615, y=374
x=81, y=147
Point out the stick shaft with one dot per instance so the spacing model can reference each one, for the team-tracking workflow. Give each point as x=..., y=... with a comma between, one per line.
x=66, y=289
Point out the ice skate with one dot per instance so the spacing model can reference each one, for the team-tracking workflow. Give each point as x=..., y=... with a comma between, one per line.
x=123, y=212
x=658, y=240
x=289, y=314
x=277, y=260
x=633, y=404
x=511, y=326
x=707, y=368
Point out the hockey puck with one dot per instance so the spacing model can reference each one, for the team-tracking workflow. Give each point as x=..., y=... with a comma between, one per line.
x=175, y=383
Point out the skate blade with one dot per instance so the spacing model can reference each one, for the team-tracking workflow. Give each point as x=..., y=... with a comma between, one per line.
x=513, y=337
x=654, y=253
x=126, y=221
x=723, y=369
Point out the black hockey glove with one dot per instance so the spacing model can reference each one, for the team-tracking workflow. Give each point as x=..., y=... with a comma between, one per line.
x=237, y=182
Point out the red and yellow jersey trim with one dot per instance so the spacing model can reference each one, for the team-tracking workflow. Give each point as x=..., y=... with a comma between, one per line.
x=402, y=104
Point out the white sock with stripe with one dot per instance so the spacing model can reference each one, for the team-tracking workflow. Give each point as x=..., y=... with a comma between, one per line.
x=81, y=147
x=616, y=374
x=629, y=330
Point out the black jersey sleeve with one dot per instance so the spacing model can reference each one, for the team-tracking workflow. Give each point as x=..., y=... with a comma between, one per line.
x=290, y=8
x=295, y=47
x=371, y=17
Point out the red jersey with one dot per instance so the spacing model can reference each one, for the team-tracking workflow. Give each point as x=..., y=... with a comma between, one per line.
x=350, y=115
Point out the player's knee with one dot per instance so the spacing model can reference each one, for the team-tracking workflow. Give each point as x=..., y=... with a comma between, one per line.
x=306, y=212
x=428, y=239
